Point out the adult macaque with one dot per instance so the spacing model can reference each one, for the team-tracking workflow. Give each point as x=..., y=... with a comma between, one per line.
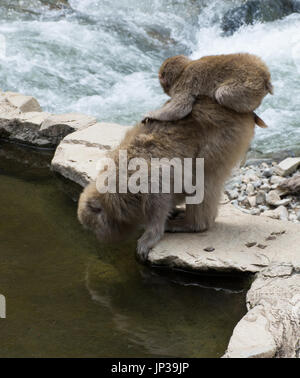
x=221, y=137
x=236, y=81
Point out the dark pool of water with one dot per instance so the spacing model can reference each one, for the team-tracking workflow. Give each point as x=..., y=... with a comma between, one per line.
x=69, y=296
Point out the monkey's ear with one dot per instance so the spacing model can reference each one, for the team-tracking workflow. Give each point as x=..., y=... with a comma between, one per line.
x=94, y=206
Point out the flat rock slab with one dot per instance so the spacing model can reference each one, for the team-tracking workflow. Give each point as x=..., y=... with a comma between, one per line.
x=77, y=155
x=228, y=239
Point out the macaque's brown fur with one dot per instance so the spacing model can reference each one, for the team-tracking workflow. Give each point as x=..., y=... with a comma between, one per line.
x=236, y=81
x=219, y=135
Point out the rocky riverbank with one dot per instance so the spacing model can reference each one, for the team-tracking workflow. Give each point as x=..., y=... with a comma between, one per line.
x=267, y=189
x=257, y=230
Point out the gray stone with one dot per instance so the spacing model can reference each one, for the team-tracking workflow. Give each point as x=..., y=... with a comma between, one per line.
x=268, y=172
x=260, y=198
x=279, y=213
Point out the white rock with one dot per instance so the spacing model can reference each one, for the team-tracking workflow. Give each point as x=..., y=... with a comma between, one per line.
x=272, y=198
x=251, y=338
x=77, y=155
x=283, y=213
x=271, y=214
x=252, y=201
x=293, y=217
x=271, y=327
x=287, y=166
x=23, y=103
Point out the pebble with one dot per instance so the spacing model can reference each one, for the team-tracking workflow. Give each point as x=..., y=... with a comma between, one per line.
x=261, y=246
x=250, y=244
x=272, y=198
x=254, y=189
x=271, y=237
x=268, y=172
x=260, y=198
x=232, y=194
x=252, y=201
x=250, y=189
x=209, y=249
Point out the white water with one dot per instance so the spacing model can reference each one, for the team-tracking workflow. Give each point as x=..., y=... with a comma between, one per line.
x=102, y=57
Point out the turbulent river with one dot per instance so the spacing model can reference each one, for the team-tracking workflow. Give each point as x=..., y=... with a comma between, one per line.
x=102, y=57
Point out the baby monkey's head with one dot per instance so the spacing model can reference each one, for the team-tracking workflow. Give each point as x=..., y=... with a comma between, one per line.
x=170, y=71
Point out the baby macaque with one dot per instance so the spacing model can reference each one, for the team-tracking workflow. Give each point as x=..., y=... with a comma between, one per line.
x=236, y=81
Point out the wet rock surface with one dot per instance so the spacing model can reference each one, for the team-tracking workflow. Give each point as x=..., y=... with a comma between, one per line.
x=257, y=10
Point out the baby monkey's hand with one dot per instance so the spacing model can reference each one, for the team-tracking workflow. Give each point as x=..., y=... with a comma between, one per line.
x=148, y=117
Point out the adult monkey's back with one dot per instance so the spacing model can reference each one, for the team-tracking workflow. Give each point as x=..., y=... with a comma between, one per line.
x=219, y=135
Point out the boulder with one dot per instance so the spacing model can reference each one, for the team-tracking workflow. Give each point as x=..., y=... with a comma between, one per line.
x=271, y=328
x=57, y=126
x=22, y=120
x=257, y=10
x=77, y=155
x=24, y=128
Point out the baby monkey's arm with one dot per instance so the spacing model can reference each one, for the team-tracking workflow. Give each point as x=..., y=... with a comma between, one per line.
x=177, y=108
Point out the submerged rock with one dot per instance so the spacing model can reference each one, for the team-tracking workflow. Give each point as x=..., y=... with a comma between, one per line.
x=257, y=10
